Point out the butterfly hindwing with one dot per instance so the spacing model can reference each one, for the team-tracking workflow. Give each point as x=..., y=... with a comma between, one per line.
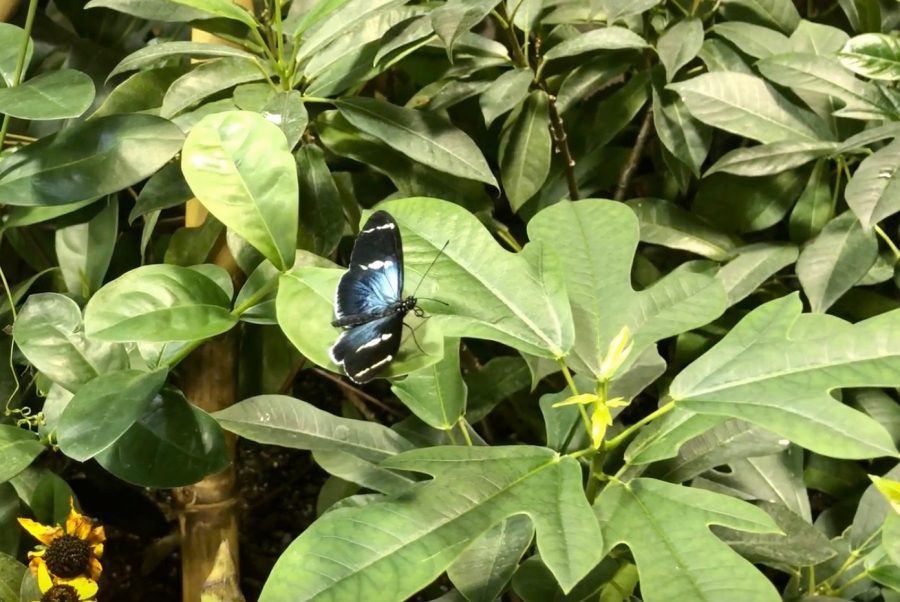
x=365, y=349
x=374, y=281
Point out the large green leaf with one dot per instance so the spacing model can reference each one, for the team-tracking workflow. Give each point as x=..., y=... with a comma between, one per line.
x=11, y=574
x=744, y=204
x=767, y=159
x=815, y=206
x=207, y=79
x=85, y=250
x=159, y=303
x=780, y=13
x=61, y=94
x=776, y=368
x=525, y=149
x=11, y=38
x=666, y=527
x=141, y=91
x=754, y=40
x=873, y=192
x=754, y=265
x=290, y=422
x=49, y=333
x=665, y=223
x=436, y=394
x=422, y=136
x=19, y=447
x=223, y=8
x=604, y=38
x=321, y=216
x=835, y=260
x=685, y=137
x=748, y=106
x=599, y=239
x=239, y=166
x=388, y=550
x=155, y=53
x=104, y=409
x=456, y=17
x=152, y=10
x=504, y=93
x=88, y=160
x=679, y=44
x=873, y=55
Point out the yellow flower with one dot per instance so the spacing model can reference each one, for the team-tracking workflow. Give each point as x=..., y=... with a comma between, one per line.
x=79, y=589
x=70, y=552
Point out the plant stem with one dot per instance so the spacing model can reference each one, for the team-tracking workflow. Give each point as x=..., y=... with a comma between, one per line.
x=506, y=25
x=571, y=383
x=634, y=159
x=318, y=99
x=279, y=41
x=561, y=140
x=624, y=435
x=20, y=61
x=465, y=431
x=506, y=237
x=888, y=242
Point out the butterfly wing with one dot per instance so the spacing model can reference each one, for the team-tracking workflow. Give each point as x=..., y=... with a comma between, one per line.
x=374, y=282
x=365, y=349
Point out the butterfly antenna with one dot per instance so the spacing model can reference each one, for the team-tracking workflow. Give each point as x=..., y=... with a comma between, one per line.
x=412, y=331
x=433, y=261
x=435, y=300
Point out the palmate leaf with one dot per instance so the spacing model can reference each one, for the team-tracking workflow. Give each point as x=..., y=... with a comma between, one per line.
x=436, y=394
x=666, y=527
x=390, y=549
x=599, y=239
x=777, y=367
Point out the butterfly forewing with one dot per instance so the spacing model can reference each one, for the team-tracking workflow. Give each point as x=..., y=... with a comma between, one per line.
x=366, y=349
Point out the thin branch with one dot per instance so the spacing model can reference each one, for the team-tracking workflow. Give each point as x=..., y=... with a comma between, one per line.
x=356, y=396
x=635, y=158
x=561, y=140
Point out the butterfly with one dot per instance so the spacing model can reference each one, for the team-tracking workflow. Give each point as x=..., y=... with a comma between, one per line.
x=368, y=302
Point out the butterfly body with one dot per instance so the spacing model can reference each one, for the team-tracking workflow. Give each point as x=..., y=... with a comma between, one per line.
x=369, y=303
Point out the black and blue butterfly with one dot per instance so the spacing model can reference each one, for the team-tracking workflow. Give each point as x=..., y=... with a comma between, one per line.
x=369, y=301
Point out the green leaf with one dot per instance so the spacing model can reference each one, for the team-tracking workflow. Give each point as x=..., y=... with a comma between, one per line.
x=504, y=93
x=773, y=158
x=780, y=13
x=49, y=333
x=321, y=216
x=165, y=189
x=160, y=303
x=720, y=56
x=365, y=473
x=497, y=380
x=663, y=438
x=601, y=237
x=11, y=574
x=473, y=489
x=19, y=447
x=525, y=150
x=815, y=207
x=679, y=44
x=817, y=38
x=835, y=260
x=741, y=204
x=605, y=38
x=11, y=38
x=141, y=91
x=223, y=8
x=754, y=265
x=289, y=422
x=587, y=79
x=775, y=369
x=174, y=444
x=88, y=160
x=85, y=250
x=238, y=165
x=665, y=223
x=332, y=19
x=872, y=55
x=686, y=138
x=753, y=40
x=748, y=106
x=666, y=527
x=153, y=54
x=206, y=79
x=422, y=136
x=61, y=94
x=482, y=571
x=152, y=10
x=436, y=394
x=873, y=193
x=104, y=409
x=287, y=111
x=457, y=17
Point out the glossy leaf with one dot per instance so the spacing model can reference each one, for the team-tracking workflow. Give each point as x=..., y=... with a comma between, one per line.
x=321, y=217
x=11, y=38
x=85, y=250
x=525, y=150
x=207, y=79
x=473, y=489
x=873, y=55
x=686, y=138
x=239, y=166
x=159, y=303
x=59, y=94
x=457, y=17
x=666, y=527
x=150, y=55
x=286, y=110
x=88, y=160
x=152, y=10
x=104, y=409
x=11, y=574
x=19, y=447
x=222, y=8
x=141, y=91
x=49, y=333
x=605, y=38
x=873, y=193
x=779, y=13
x=773, y=369
x=436, y=394
x=166, y=188
x=835, y=260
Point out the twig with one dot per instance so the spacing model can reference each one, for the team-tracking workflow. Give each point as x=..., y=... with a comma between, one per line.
x=356, y=396
x=561, y=140
x=634, y=159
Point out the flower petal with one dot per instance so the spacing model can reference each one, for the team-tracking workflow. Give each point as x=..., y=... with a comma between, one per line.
x=95, y=568
x=45, y=581
x=43, y=533
x=86, y=588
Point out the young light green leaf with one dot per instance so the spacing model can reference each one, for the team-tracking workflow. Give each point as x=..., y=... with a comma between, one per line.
x=679, y=44
x=772, y=158
x=504, y=93
x=85, y=250
x=19, y=448
x=223, y=8
x=748, y=106
x=835, y=260
x=474, y=488
x=104, y=409
x=601, y=237
x=421, y=136
x=238, y=165
x=11, y=38
x=873, y=193
x=61, y=94
x=525, y=150
x=436, y=394
x=665, y=223
x=88, y=160
x=206, y=79
x=666, y=527
x=753, y=40
x=159, y=303
x=872, y=55
x=754, y=265
x=289, y=422
x=815, y=207
x=777, y=367
x=605, y=38
x=49, y=333
x=155, y=53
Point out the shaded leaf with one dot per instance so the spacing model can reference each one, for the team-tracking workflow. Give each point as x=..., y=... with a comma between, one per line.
x=754, y=40
x=321, y=217
x=11, y=39
x=155, y=53
x=873, y=193
x=85, y=250
x=19, y=447
x=679, y=44
x=665, y=223
x=61, y=94
x=815, y=207
x=504, y=93
x=606, y=38
x=436, y=394
x=754, y=265
x=773, y=158
x=525, y=150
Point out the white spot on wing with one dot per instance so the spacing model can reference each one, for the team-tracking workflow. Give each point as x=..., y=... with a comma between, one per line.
x=378, y=264
x=374, y=366
x=374, y=342
x=382, y=227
